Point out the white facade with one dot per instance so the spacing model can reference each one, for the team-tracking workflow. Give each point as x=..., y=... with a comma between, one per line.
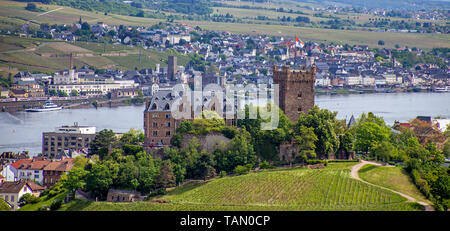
x=30, y=174
x=9, y=173
x=94, y=89
x=368, y=81
x=72, y=77
x=393, y=79
x=13, y=198
x=76, y=129
x=323, y=82
x=442, y=124
x=175, y=39
x=353, y=80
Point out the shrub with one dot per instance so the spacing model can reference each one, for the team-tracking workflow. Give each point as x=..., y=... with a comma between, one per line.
x=240, y=170
x=342, y=161
x=266, y=165
x=28, y=198
x=223, y=174
x=56, y=204
x=314, y=161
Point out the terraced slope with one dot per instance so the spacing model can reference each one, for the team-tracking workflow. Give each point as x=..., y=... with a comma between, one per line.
x=331, y=189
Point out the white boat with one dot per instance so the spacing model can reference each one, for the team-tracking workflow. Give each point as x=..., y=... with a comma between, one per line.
x=48, y=106
x=442, y=89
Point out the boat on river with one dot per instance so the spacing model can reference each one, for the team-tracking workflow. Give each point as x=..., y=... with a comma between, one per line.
x=48, y=106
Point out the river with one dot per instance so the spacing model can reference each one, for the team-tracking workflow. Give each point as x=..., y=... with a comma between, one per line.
x=23, y=130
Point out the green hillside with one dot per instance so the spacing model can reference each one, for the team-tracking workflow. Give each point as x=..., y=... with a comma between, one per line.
x=25, y=54
x=395, y=178
x=329, y=189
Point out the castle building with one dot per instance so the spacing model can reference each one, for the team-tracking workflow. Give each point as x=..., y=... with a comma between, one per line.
x=296, y=90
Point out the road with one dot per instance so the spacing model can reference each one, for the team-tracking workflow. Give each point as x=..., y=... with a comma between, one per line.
x=354, y=174
x=50, y=11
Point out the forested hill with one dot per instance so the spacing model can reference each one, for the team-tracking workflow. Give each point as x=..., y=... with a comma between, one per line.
x=387, y=4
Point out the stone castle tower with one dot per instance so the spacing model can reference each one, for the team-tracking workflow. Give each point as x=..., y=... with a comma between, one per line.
x=296, y=90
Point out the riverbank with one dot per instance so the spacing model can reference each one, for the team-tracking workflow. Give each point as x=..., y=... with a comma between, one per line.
x=343, y=91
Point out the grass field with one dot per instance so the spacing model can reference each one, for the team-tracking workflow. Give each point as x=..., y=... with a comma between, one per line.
x=330, y=189
x=395, y=178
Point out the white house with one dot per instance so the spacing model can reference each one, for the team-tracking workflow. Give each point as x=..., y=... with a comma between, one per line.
x=442, y=124
x=11, y=192
x=9, y=173
x=30, y=169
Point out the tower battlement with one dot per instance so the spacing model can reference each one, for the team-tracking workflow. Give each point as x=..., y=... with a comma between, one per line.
x=295, y=75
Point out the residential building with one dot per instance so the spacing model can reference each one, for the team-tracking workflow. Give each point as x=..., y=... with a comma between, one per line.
x=159, y=124
x=54, y=170
x=29, y=169
x=67, y=138
x=11, y=192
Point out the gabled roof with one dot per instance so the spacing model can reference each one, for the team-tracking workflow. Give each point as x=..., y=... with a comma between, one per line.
x=13, y=187
x=34, y=187
x=30, y=164
x=63, y=165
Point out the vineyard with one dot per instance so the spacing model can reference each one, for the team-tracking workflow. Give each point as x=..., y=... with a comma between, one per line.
x=296, y=189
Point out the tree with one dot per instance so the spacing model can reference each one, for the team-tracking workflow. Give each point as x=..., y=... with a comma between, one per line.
x=99, y=180
x=85, y=26
x=384, y=150
x=204, y=166
x=4, y=206
x=31, y=7
x=104, y=142
x=74, y=180
x=74, y=93
x=166, y=177
x=133, y=136
x=369, y=134
x=326, y=128
x=446, y=149
x=62, y=93
x=305, y=140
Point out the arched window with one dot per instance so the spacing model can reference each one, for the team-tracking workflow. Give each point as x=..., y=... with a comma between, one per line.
x=167, y=107
x=154, y=106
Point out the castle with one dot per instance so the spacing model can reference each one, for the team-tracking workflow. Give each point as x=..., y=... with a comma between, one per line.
x=296, y=95
x=296, y=90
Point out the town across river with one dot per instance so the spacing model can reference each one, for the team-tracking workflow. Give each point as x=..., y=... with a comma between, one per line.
x=23, y=130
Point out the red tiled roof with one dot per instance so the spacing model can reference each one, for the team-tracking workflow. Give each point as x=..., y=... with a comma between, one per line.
x=31, y=164
x=63, y=165
x=34, y=187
